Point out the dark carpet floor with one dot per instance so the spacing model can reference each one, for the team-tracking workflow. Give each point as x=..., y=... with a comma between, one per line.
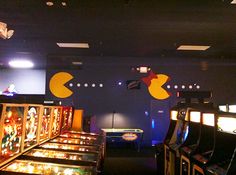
x=127, y=161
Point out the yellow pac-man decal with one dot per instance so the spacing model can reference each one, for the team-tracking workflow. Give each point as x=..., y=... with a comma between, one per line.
x=57, y=84
x=155, y=83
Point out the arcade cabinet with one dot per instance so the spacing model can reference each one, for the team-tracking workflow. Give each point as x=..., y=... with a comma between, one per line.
x=205, y=147
x=223, y=161
x=160, y=147
x=189, y=147
x=181, y=130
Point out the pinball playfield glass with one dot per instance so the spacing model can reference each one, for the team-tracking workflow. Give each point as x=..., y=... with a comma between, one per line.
x=45, y=123
x=69, y=147
x=11, y=130
x=73, y=141
x=56, y=122
x=80, y=132
x=25, y=167
x=31, y=125
x=80, y=136
x=72, y=158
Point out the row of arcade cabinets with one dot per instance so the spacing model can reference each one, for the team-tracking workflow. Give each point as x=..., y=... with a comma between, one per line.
x=37, y=139
x=201, y=140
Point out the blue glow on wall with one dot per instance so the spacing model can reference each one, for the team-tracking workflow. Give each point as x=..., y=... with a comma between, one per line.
x=153, y=123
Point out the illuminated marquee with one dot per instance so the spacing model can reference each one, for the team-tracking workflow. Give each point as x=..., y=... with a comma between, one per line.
x=227, y=124
x=129, y=136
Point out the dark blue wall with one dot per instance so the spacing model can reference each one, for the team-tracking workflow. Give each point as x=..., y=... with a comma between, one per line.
x=218, y=76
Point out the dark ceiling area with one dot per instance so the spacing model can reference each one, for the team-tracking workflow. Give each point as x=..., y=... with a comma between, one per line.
x=117, y=28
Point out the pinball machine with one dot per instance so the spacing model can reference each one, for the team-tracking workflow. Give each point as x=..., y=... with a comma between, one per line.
x=74, y=141
x=69, y=147
x=56, y=120
x=62, y=157
x=11, y=131
x=45, y=123
x=31, y=123
x=24, y=126
x=67, y=117
x=86, y=139
x=26, y=167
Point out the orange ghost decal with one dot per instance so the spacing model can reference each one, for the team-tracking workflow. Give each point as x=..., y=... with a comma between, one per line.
x=155, y=83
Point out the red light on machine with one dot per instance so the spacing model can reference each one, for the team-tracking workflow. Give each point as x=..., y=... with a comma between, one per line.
x=129, y=136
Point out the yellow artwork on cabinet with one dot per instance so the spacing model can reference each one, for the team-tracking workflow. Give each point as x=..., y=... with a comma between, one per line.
x=57, y=84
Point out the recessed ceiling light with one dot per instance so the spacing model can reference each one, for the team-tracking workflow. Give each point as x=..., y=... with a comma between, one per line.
x=233, y=2
x=49, y=3
x=74, y=45
x=21, y=64
x=193, y=47
x=63, y=3
x=77, y=63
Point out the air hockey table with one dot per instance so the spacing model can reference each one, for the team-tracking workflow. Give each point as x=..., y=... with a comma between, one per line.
x=124, y=135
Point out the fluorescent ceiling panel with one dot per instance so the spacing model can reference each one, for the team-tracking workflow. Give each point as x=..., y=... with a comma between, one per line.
x=77, y=63
x=193, y=47
x=21, y=64
x=74, y=45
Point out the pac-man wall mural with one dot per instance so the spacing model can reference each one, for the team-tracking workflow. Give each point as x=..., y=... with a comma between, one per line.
x=57, y=84
x=155, y=83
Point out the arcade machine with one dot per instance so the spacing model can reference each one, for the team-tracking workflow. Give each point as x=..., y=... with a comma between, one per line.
x=191, y=143
x=29, y=167
x=181, y=131
x=45, y=122
x=31, y=122
x=160, y=147
x=67, y=117
x=201, y=155
x=11, y=131
x=223, y=161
